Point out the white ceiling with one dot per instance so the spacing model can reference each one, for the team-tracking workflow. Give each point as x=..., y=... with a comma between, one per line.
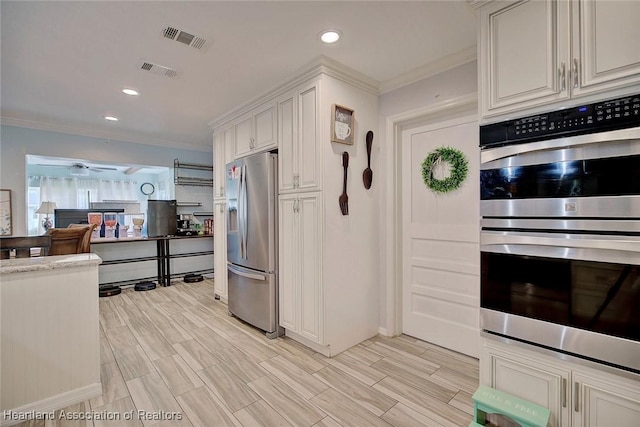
x=64, y=63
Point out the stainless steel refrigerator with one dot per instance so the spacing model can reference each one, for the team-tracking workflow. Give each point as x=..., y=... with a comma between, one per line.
x=161, y=218
x=252, y=251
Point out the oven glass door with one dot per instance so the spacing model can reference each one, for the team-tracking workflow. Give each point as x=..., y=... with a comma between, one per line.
x=616, y=176
x=592, y=295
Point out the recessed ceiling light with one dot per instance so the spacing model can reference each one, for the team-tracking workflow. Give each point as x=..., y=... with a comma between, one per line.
x=111, y=118
x=330, y=36
x=131, y=92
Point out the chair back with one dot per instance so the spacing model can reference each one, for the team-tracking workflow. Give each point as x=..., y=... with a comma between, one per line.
x=86, y=241
x=23, y=245
x=65, y=241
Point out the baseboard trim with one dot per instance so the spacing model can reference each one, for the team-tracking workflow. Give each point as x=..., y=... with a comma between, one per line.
x=383, y=331
x=322, y=349
x=45, y=408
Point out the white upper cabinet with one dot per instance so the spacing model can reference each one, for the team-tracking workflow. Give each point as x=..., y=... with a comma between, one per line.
x=537, y=53
x=223, y=154
x=606, y=45
x=256, y=131
x=299, y=156
x=523, y=54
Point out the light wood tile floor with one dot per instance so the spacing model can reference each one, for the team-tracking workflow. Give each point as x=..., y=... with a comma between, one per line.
x=175, y=352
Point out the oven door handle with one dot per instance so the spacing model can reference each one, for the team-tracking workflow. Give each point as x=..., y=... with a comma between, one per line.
x=492, y=154
x=613, y=251
x=561, y=240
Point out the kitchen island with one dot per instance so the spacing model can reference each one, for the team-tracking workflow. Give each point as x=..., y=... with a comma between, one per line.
x=132, y=259
x=49, y=324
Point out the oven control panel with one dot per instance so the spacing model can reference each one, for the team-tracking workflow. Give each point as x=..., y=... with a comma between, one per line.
x=614, y=114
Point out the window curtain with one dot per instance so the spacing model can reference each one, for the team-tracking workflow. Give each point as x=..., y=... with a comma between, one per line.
x=76, y=193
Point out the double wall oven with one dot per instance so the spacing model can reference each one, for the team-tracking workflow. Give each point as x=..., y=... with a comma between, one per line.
x=560, y=230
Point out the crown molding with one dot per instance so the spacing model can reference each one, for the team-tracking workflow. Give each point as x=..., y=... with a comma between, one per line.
x=430, y=69
x=322, y=65
x=98, y=133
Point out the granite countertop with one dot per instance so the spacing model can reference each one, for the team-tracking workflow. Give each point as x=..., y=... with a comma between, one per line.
x=24, y=265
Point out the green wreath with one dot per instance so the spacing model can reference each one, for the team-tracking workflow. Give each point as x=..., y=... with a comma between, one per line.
x=459, y=169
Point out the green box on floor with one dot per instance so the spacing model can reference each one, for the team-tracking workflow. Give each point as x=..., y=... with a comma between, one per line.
x=487, y=400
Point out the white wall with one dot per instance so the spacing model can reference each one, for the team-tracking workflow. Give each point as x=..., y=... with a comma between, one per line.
x=16, y=143
x=450, y=84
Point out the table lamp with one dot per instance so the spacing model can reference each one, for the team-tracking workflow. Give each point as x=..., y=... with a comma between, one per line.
x=46, y=208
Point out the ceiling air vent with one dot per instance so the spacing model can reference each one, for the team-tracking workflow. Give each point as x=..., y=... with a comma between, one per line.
x=158, y=69
x=184, y=37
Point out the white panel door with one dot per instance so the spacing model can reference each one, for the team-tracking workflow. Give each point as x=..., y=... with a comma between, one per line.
x=289, y=256
x=440, y=249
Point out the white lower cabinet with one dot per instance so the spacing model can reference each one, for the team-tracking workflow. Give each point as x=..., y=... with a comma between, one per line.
x=220, y=249
x=576, y=395
x=598, y=401
x=300, y=254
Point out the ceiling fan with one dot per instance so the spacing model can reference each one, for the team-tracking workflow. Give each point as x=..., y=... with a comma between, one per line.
x=78, y=168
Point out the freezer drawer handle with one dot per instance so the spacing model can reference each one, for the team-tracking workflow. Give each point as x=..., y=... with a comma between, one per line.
x=247, y=275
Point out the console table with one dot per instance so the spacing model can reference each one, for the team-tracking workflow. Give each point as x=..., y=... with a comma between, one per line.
x=133, y=259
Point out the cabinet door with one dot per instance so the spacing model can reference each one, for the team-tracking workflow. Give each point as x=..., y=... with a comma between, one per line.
x=309, y=156
x=289, y=256
x=288, y=136
x=222, y=150
x=265, y=127
x=604, y=402
x=533, y=381
x=310, y=262
x=243, y=130
x=605, y=45
x=523, y=54
x=218, y=164
x=220, y=250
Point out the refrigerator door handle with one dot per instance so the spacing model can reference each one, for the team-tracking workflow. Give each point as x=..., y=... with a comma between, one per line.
x=254, y=276
x=239, y=213
x=242, y=213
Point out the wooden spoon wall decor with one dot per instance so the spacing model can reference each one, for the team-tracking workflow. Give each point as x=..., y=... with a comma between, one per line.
x=343, y=200
x=367, y=175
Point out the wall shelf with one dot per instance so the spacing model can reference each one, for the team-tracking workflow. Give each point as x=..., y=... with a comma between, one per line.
x=191, y=180
x=202, y=214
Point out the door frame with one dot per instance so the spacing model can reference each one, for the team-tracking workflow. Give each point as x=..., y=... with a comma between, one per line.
x=392, y=250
